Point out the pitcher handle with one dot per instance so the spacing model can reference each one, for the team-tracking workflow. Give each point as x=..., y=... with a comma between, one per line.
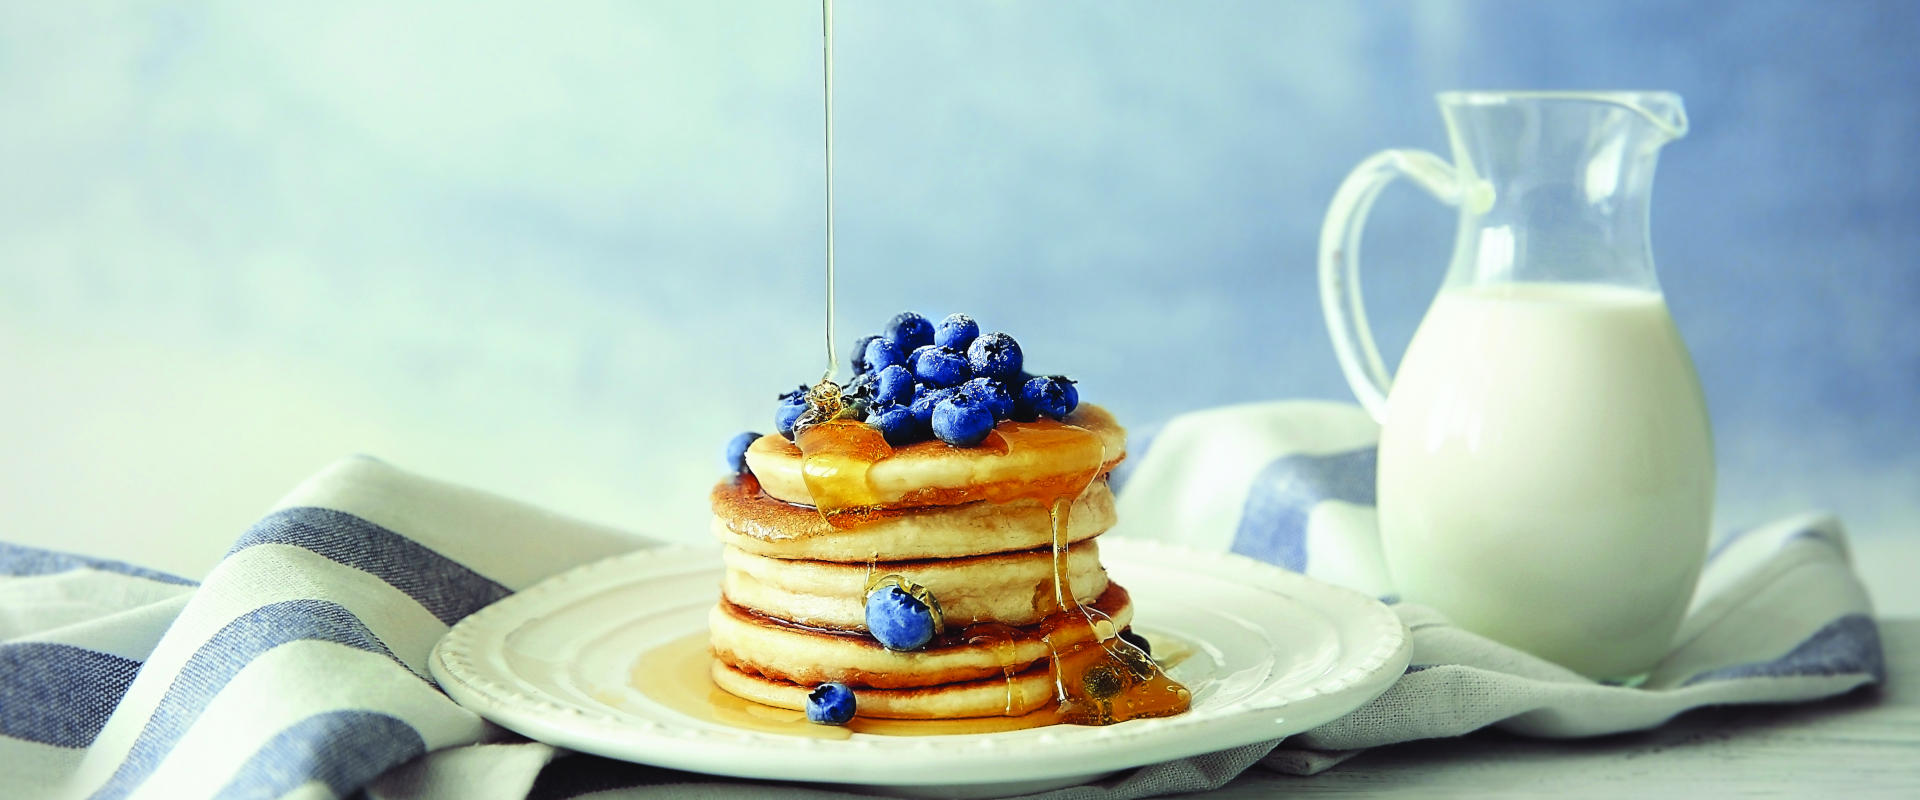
x=1340, y=261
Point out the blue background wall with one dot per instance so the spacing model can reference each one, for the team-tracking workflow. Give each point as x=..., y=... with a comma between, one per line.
x=564, y=255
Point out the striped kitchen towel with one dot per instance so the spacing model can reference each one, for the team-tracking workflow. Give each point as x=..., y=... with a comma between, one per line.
x=1779, y=615
x=298, y=668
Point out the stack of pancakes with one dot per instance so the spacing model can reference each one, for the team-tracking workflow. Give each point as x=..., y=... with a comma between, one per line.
x=972, y=525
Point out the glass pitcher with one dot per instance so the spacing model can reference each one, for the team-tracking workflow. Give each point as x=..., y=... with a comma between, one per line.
x=1546, y=465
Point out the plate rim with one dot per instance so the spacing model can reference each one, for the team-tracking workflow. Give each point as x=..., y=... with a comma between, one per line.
x=1261, y=717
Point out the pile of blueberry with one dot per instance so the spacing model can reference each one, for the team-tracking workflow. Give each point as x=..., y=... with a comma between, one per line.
x=916, y=381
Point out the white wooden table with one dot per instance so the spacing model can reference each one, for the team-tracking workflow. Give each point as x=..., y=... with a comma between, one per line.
x=1863, y=745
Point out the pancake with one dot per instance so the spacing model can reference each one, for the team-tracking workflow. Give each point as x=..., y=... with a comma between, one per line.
x=1010, y=588
x=746, y=519
x=972, y=525
x=776, y=649
x=1024, y=693
x=1030, y=459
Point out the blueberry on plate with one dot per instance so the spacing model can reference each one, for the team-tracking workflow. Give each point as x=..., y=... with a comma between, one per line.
x=994, y=355
x=898, y=620
x=893, y=385
x=956, y=332
x=908, y=331
x=830, y=704
x=991, y=393
x=737, y=452
x=938, y=366
x=961, y=421
x=896, y=423
x=882, y=353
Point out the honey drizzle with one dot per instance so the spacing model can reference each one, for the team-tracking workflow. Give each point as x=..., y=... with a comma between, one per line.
x=1099, y=678
x=837, y=456
x=826, y=61
x=824, y=398
x=839, y=452
x=1000, y=638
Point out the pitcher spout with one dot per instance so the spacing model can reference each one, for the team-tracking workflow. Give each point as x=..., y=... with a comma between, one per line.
x=1662, y=109
x=1557, y=184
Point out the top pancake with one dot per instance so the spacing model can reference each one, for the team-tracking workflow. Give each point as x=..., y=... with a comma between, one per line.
x=1019, y=460
x=745, y=518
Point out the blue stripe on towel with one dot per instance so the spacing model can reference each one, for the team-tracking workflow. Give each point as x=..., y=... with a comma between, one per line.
x=1849, y=645
x=445, y=588
x=343, y=749
x=1273, y=525
x=1815, y=534
x=59, y=694
x=223, y=655
x=23, y=561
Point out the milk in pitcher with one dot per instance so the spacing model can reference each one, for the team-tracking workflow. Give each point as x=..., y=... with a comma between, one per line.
x=1546, y=471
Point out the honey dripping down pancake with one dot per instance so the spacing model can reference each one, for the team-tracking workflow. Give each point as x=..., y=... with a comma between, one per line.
x=1099, y=678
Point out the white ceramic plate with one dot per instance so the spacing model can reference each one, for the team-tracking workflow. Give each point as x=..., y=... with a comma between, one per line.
x=1275, y=653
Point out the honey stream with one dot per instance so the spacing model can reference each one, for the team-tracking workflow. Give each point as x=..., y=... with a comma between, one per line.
x=1099, y=678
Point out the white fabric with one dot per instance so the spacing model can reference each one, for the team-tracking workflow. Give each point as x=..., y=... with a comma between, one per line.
x=1779, y=616
x=297, y=668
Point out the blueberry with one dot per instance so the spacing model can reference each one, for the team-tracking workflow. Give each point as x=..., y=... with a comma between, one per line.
x=860, y=388
x=896, y=423
x=737, y=452
x=956, y=332
x=914, y=358
x=860, y=354
x=898, y=620
x=893, y=385
x=995, y=355
x=882, y=353
x=961, y=421
x=938, y=366
x=792, y=405
x=1072, y=391
x=993, y=394
x=1136, y=640
x=1049, y=395
x=908, y=331
x=788, y=413
x=923, y=403
x=830, y=704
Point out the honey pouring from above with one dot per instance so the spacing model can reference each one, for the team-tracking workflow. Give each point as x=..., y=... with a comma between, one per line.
x=918, y=543
x=923, y=547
